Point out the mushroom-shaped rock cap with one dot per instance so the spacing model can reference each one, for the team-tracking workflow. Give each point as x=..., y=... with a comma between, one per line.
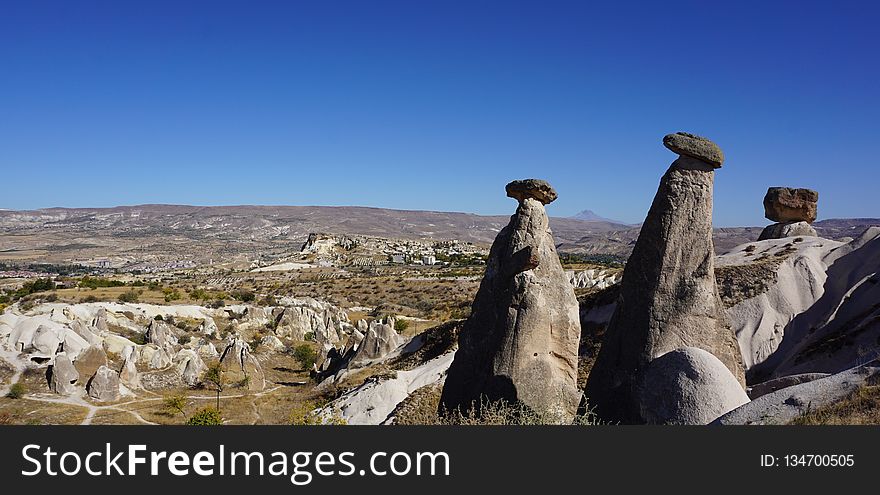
x=531, y=188
x=695, y=147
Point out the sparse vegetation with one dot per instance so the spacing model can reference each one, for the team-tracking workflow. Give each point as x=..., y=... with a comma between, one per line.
x=207, y=416
x=307, y=414
x=242, y=295
x=130, y=296
x=306, y=355
x=175, y=404
x=94, y=283
x=401, y=325
x=16, y=391
x=214, y=376
x=423, y=410
x=862, y=407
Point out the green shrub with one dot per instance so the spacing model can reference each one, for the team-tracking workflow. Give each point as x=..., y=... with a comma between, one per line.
x=93, y=283
x=244, y=295
x=175, y=404
x=305, y=355
x=205, y=417
x=401, y=325
x=130, y=296
x=16, y=391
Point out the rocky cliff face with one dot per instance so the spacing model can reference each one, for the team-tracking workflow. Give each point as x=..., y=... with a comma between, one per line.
x=520, y=342
x=668, y=297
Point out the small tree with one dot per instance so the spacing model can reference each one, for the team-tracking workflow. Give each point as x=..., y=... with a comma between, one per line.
x=214, y=376
x=175, y=403
x=206, y=417
x=400, y=325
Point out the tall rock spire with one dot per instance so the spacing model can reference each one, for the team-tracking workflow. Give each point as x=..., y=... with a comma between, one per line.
x=520, y=342
x=668, y=297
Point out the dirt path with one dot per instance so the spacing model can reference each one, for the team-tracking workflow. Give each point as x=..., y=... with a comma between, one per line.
x=18, y=367
x=92, y=410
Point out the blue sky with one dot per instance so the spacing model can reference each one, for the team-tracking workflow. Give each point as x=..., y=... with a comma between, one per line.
x=434, y=105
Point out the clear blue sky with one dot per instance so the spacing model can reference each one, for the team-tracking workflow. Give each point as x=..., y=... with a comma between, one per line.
x=434, y=104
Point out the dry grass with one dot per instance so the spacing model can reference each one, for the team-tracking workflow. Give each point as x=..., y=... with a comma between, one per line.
x=30, y=412
x=862, y=407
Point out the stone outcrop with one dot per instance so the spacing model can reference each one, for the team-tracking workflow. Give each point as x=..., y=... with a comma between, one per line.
x=694, y=146
x=161, y=334
x=787, y=204
x=668, y=296
x=89, y=360
x=63, y=376
x=788, y=403
x=190, y=366
x=299, y=317
x=129, y=374
x=591, y=278
x=208, y=326
x=687, y=386
x=520, y=342
x=104, y=385
x=272, y=343
x=379, y=341
x=236, y=354
x=783, y=230
x=792, y=209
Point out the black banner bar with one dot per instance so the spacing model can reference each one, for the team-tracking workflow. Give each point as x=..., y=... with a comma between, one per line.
x=495, y=458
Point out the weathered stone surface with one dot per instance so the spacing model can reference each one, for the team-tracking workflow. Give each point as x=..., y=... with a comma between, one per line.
x=301, y=316
x=63, y=376
x=272, y=343
x=668, y=296
x=46, y=340
x=89, y=360
x=104, y=385
x=159, y=360
x=159, y=333
x=694, y=146
x=236, y=354
x=788, y=229
x=520, y=342
x=129, y=374
x=208, y=326
x=687, y=386
x=531, y=188
x=775, y=384
x=784, y=405
x=190, y=366
x=787, y=204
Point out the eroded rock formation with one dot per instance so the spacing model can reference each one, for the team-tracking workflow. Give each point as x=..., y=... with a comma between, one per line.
x=104, y=385
x=520, y=342
x=687, y=386
x=792, y=209
x=668, y=297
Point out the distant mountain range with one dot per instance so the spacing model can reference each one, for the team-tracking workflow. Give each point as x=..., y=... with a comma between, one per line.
x=264, y=223
x=83, y=232
x=591, y=216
